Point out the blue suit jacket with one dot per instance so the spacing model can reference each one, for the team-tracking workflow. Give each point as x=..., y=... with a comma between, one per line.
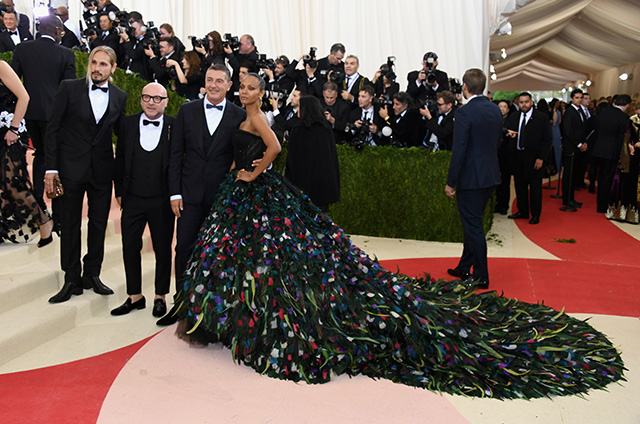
x=477, y=134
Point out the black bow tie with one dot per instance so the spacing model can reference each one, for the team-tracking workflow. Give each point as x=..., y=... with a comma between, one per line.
x=97, y=87
x=210, y=106
x=147, y=122
x=13, y=32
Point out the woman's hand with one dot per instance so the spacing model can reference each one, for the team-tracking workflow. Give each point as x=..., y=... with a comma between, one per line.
x=201, y=50
x=245, y=175
x=10, y=137
x=172, y=63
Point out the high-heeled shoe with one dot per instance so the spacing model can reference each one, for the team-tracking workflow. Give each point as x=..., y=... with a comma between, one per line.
x=45, y=241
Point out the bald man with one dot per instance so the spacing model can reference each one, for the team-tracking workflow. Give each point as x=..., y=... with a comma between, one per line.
x=141, y=185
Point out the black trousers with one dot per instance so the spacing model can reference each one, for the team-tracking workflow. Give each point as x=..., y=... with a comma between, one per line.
x=99, y=200
x=471, y=206
x=37, y=129
x=528, y=184
x=503, y=191
x=137, y=212
x=191, y=219
x=570, y=176
x=606, y=174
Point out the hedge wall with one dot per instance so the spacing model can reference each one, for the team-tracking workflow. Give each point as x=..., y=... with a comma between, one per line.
x=385, y=191
x=391, y=192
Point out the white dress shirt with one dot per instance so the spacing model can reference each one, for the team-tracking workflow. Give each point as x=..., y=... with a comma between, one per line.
x=213, y=115
x=150, y=134
x=99, y=101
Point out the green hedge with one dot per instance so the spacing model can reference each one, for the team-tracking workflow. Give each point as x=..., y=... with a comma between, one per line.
x=390, y=192
x=385, y=191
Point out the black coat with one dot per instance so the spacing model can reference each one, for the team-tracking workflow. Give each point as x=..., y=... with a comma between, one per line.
x=420, y=93
x=128, y=136
x=43, y=64
x=340, y=110
x=7, y=44
x=312, y=163
x=573, y=130
x=444, y=131
x=409, y=129
x=536, y=138
x=196, y=172
x=611, y=126
x=72, y=143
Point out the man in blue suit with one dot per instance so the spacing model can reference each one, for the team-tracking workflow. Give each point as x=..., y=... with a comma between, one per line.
x=474, y=172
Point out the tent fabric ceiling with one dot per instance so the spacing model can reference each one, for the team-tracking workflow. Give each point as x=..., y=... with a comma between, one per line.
x=557, y=42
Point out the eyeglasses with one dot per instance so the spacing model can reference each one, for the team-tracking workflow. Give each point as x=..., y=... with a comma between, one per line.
x=156, y=99
x=440, y=104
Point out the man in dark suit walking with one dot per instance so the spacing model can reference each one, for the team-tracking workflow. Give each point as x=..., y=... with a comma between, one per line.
x=141, y=184
x=79, y=152
x=14, y=35
x=474, y=172
x=201, y=155
x=611, y=126
x=43, y=64
x=530, y=131
x=573, y=145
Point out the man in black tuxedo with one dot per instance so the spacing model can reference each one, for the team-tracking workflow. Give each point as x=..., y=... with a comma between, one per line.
x=573, y=145
x=426, y=82
x=43, y=64
x=107, y=36
x=441, y=127
x=71, y=37
x=79, y=152
x=158, y=65
x=331, y=62
x=474, y=172
x=13, y=36
x=366, y=115
x=142, y=191
x=201, y=155
x=406, y=123
x=247, y=54
x=23, y=20
x=278, y=79
x=353, y=81
x=306, y=80
x=136, y=59
x=286, y=117
x=530, y=144
x=611, y=126
x=336, y=111
x=103, y=6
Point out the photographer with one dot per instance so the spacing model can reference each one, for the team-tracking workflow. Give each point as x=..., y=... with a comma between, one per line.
x=384, y=80
x=277, y=79
x=406, y=124
x=426, y=82
x=306, y=80
x=136, y=59
x=97, y=7
x=13, y=36
x=245, y=53
x=441, y=127
x=332, y=62
x=365, y=121
x=166, y=31
x=286, y=117
x=211, y=51
x=106, y=36
x=353, y=82
x=71, y=37
x=336, y=110
x=189, y=81
x=161, y=72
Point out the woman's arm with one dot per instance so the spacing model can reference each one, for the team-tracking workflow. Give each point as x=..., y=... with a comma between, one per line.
x=260, y=124
x=12, y=82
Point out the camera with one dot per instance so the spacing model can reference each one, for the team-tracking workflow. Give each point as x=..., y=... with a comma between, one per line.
x=92, y=26
x=172, y=74
x=383, y=101
x=310, y=59
x=432, y=104
x=431, y=58
x=336, y=77
x=454, y=86
x=199, y=42
x=231, y=41
x=361, y=135
x=386, y=70
x=90, y=3
x=153, y=44
x=263, y=62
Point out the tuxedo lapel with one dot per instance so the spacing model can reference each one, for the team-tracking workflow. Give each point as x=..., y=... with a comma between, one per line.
x=135, y=138
x=198, y=126
x=164, y=142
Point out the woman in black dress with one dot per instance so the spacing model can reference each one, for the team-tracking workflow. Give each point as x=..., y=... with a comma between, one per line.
x=312, y=158
x=20, y=214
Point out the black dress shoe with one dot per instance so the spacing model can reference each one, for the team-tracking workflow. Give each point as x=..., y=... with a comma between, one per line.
x=479, y=283
x=170, y=318
x=95, y=283
x=575, y=204
x=568, y=208
x=534, y=220
x=519, y=215
x=457, y=272
x=69, y=288
x=129, y=306
x=159, y=308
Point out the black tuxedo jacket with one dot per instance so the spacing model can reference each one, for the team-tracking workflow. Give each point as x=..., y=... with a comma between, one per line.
x=111, y=40
x=409, y=129
x=573, y=130
x=420, y=93
x=73, y=141
x=137, y=60
x=326, y=66
x=611, y=127
x=444, y=131
x=356, y=114
x=477, y=134
x=128, y=136
x=43, y=64
x=281, y=124
x=195, y=173
x=536, y=137
x=340, y=110
x=302, y=81
x=7, y=44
